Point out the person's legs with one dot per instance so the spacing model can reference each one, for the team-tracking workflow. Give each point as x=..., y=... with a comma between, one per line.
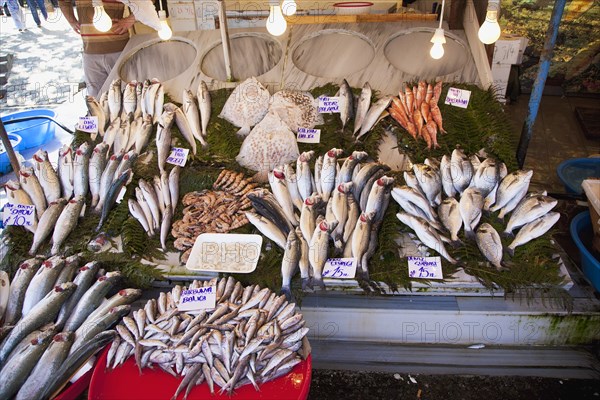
x=16, y=14
x=94, y=73
x=42, y=6
x=34, y=14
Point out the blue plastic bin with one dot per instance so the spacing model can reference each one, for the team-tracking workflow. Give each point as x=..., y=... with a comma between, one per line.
x=581, y=232
x=573, y=172
x=16, y=142
x=33, y=133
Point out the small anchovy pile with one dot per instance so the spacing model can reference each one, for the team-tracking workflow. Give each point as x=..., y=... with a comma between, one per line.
x=417, y=111
x=344, y=204
x=57, y=317
x=213, y=211
x=250, y=337
x=156, y=203
x=470, y=187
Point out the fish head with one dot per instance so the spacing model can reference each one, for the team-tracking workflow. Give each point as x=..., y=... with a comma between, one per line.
x=64, y=337
x=12, y=185
x=26, y=172
x=64, y=151
x=345, y=187
x=40, y=156
x=67, y=286
x=83, y=149
x=334, y=153
x=306, y=156
x=485, y=228
x=278, y=173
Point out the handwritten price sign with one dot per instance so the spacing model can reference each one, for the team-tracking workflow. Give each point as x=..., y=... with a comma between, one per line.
x=88, y=124
x=204, y=298
x=458, y=97
x=18, y=215
x=341, y=268
x=329, y=104
x=306, y=135
x=425, y=267
x=178, y=156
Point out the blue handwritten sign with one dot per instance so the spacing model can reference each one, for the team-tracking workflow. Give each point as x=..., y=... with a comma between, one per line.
x=88, y=124
x=329, y=104
x=458, y=97
x=425, y=267
x=306, y=135
x=18, y=214
x=178, y=156
x=204, y=298
x=340, y=268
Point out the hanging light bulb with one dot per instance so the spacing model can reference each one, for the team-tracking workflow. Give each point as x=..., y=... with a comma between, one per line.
x=438, y=40
x=489, y=31
x=164, y=32
x=289, y=7
x=102, y=21
x=276, y=24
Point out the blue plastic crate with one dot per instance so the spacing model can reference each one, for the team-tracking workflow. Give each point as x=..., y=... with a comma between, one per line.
x=573, y=172
x=581, y=232
x=33, y=133
x=16, y=142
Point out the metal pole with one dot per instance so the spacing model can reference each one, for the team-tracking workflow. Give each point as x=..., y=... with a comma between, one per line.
x=225, y=39
x=540, y=80
x=12, y=157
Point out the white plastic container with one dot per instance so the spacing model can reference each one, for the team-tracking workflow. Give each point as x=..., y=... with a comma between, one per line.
x=352, y=7
x=225, y=252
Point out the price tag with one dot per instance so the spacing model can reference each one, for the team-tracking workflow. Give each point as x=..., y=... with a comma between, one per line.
x=458, y=97
x=306, y=135
x=178, y=156
x=18, y=214
x=204, y=298
x=88, y=124
x=344, y=268
x=329, y=104
x=425, y=267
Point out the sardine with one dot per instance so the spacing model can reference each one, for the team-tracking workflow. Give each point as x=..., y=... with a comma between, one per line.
x=488, y=241
x=373, y=115
x=97, y=164
x=81, y=165
x=328, y=172
x=46, y=176
x=163, y=138
x=47, y=224
x=364, y=102
x=533, y=230
x=31, y=185
x=204, y=105
x=470, y=206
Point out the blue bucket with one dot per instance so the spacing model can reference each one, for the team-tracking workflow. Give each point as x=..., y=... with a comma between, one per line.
x=573, y=172
x=35, y=132
x=582, y=233
x=16, y=142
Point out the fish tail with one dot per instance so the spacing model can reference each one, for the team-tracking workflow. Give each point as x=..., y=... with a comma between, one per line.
x=470, y=234
x=287, y=291
x=456, y=243
x=95, y=200
x=508, y=234
x=511, y=251
x=305, y=283
x=317, y=282
x=244, y=131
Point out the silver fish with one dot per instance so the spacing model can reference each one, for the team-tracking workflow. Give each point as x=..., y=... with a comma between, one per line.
x=143, y=133
x=115, y=99
x=411, y=181
x=303, y=174
x=485, y=177
x=446, y=175
x=163, y=138
x=488, y=241
x=43, y=312
x=165, y=226
x=136, y=211
x=152, y=201
x=346, y=103
x=364, y=102
x=174, y=186
x=363, y=176
x=353, y=215
x=96, y=110
x=360, y=239
x=279, y=188
x=339, y=207
x=16, y=194
x=157, y=185
x=84, y=279
x=430, y=182
x=426, y=234
x=317, y=254
x=529, y=209
x=491, y=197
x=377, y=193
x=308, y=216
x=303, y=262
x=126, y=163
x=533, y=230
x=125, y=296
x=47, y=224
x=406, y=194
x=317, y=178
x=348, y=166
x=267, y=228
x=46, y=175
x=187, y=122
x=111, y=133
x=289, y=264
x=139, y=87
x=106, y=179
x=18, y=287
x=130, y=99
x=143, y=204
x=122, y=137
x=31, y=185
x=66, y=222
x=111, y=197
x=42, y=283
x=461, y=171
x=103, y=101
x=97, y=164
x=292, y=185
x=511, y=190
x=158, y=103
x=204, y=105
x=373, y=115
x=328, y=172
x=470, y=206
x=81, y=170
x=450, y=217
x=145, y=85
x=475, y=161
x=150, y=99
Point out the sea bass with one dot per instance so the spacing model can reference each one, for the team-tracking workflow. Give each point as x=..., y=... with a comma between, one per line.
x=533, y=230
x=46, y=175
x=529, y=209
x=66, y=222
x=511, y=190
x=488, y=241
x=364, y=102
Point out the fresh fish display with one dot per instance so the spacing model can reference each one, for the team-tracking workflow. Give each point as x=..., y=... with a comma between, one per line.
x=251, y=336
x=97, y=163
x=31, y=185
x=346, y=103
x=533, y=230
x=187, y=119
x=81, y=170
x=364, y=102
x=163, y=138
x=46, y=175
x=528, y=210
x=372, y=116
x=66, y=222
x=511, y=190
x=247, y=106
x=115, y=99
x=296, y=108
x=204, y=106
x=47, y=224
x=96, y=110
x=488, y=241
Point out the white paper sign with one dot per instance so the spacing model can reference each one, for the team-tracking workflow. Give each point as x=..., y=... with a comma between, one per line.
x=204, y=298
x=306, y=135
x=343, y=268
x=458, y=97
x=425, y=267
x=88, y=124
x=18, y=214
x=178, y=156
x=329, y=104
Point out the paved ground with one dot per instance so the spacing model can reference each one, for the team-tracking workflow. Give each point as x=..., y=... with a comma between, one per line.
x=47, y=72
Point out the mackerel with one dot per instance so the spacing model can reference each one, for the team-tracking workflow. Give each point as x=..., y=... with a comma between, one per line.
x=31, y=185
x=18, y=288
x=66, y=222
x=43, y=312
x=47, y=224
x=265, y=204
x=90, y=300
x=42, y=283
x=46, y=175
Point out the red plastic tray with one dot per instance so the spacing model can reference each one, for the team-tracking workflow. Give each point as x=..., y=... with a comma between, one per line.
x=125, y=382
